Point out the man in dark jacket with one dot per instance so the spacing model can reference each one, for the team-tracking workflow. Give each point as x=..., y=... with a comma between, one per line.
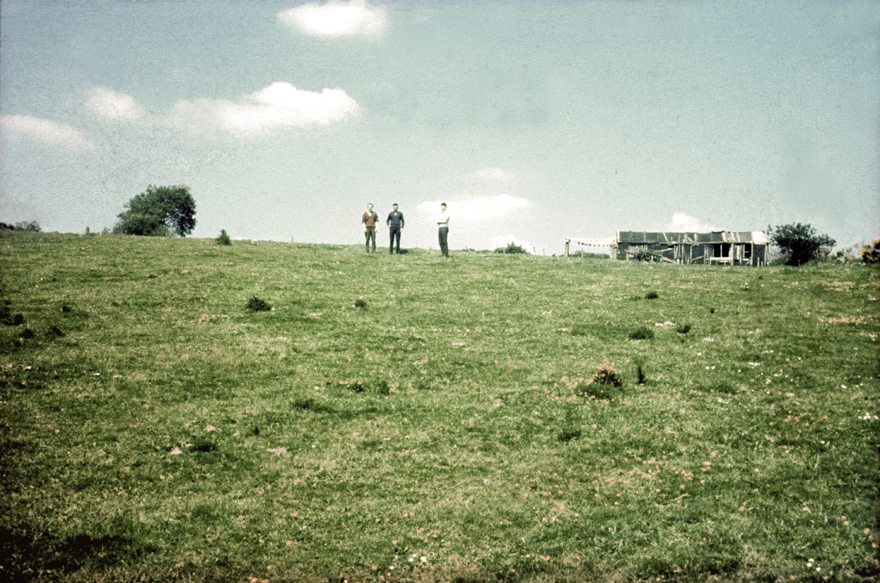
x=395, y=226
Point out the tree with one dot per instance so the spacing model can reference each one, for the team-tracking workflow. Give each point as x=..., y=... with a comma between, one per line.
x=800, y=243
x=159, y=211
x=32, y=226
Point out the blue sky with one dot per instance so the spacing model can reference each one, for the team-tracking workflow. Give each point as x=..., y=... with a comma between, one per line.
x=535, y=121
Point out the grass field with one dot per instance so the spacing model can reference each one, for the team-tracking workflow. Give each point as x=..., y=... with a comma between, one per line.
x=397, y=418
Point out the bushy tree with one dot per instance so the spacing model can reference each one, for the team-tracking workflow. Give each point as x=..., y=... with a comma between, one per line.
x=159, y=211
x=800, y=242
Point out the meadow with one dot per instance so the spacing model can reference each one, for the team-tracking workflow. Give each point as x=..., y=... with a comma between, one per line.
x=408, y=418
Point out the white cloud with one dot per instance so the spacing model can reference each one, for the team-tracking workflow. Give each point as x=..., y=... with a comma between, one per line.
x=112, y=104
x=46, y=131
x=278, y=106
x=683, y=222
x=492, y=175
x=478, y=208
x=336, y=18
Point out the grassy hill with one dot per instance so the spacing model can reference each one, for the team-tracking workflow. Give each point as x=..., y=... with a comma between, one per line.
x=398, y=418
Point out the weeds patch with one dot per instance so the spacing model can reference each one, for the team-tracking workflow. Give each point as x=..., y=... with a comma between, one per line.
x=255, y=304
x=641, y=333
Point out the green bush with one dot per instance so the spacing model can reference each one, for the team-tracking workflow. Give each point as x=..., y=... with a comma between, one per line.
x=602, y=384
x=871, y=253
x=223, y=238
x=512, y=248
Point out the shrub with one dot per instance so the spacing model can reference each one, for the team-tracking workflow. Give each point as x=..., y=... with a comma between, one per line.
x=651, y=295
x=512, y=248
x=605, y=374
x=641, y=333
x=683, y=328
x=360, y=303
x=255, y=304
x=871, y=253
x=602, y=383
x=223, y=238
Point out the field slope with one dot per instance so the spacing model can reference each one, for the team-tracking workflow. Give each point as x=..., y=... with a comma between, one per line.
x=408, y=418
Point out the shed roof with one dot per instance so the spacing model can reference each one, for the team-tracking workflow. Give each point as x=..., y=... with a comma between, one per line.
x=644, y=237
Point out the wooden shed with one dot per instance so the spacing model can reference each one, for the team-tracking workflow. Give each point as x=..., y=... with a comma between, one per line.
x=721, y=247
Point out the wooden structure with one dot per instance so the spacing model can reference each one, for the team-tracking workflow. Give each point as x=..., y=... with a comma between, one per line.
x=717, y=247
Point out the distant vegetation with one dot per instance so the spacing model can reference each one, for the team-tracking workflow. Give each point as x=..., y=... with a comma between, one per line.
x=512, y=248
x=480, y=421
x=32, y=226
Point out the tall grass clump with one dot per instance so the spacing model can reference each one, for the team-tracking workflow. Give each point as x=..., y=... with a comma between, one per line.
x=641, y=333
x=255, y=304
x=604, y=383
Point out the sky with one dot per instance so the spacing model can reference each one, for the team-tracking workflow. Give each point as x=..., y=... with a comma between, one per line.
x=534, y=121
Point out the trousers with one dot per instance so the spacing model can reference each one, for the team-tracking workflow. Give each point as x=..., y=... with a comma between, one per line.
x=443, y=235
x=394, y=235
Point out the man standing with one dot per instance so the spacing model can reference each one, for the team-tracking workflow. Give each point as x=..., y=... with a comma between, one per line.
x=443, y=229
x=395, y=226
x=369, y=219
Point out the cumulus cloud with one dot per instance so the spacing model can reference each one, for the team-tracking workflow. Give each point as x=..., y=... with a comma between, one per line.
x=478, y=208
x=278, y=106
x=336, y=18
x=112, y=104
x=683, y=222
x=45, y=131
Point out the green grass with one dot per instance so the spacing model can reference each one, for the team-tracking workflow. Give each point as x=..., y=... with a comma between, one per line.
x=390, y=408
